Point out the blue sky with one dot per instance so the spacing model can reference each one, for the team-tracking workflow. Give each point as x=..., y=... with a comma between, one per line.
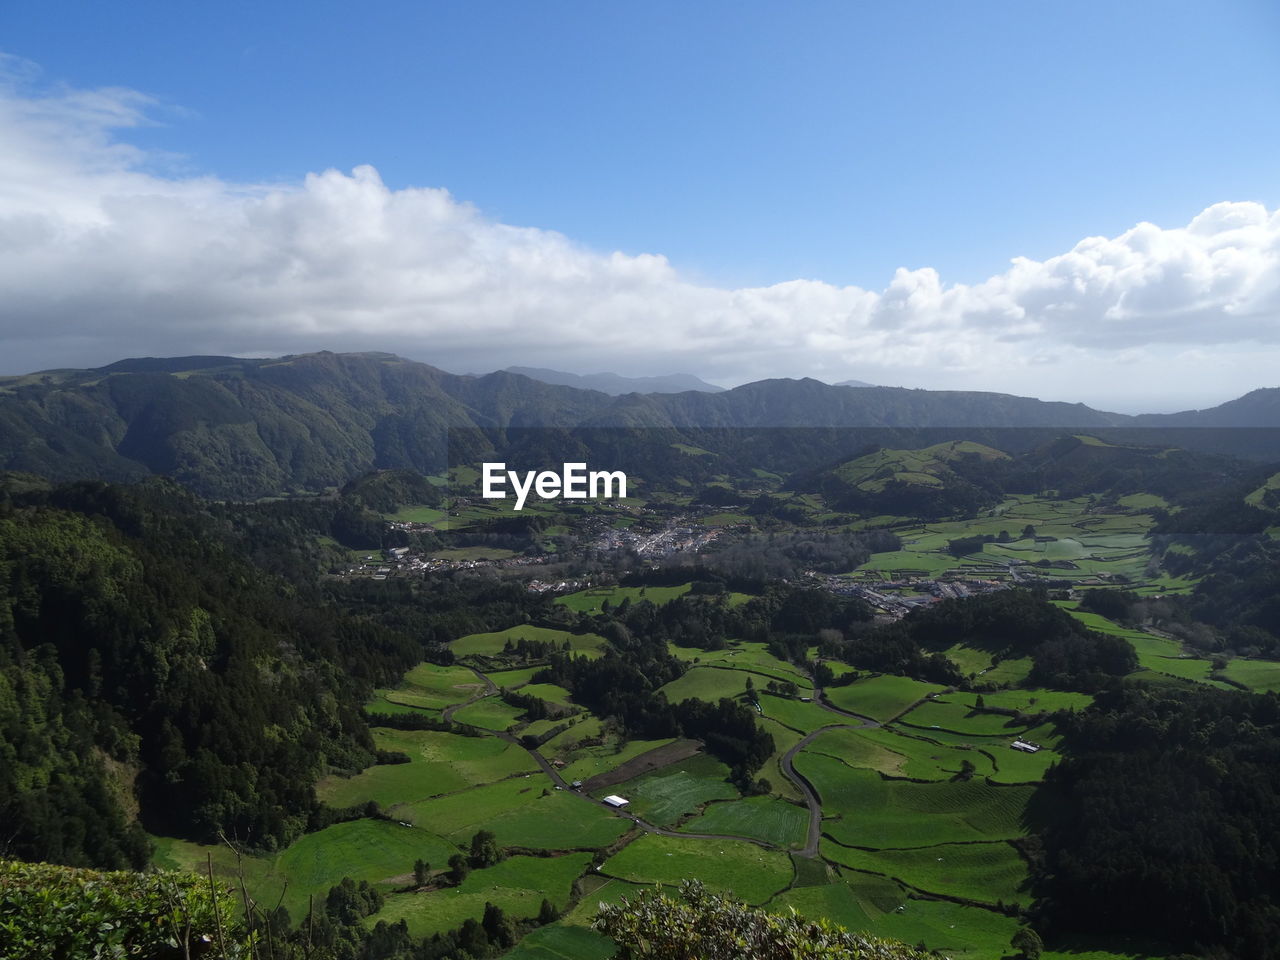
x=750, y=144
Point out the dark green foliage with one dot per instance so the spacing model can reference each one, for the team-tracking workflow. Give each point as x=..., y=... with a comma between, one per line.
x=48, y=911
x=1165, y=825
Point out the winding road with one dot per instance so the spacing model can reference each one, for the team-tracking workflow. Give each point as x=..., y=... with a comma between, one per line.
x=787, y=764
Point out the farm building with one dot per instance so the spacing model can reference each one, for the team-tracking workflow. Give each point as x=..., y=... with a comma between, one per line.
x=614, y=800
x=1025, y=746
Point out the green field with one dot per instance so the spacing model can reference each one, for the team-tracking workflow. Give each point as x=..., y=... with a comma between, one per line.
x=417, y=514
x=747, y=656
x=675, y=791
x=1260, y=676
x=798, y=715
x=559, y=820
x=709, y=684
x=459, y=815
x=439, y=763
x=433, y=687
x=762, y=818
x=491, y=713
x=881, y=908
x=492, y=644
x=951, y=714
x=736, y=867
x=592, y=600
x=560, y=941
x=896, y=754
x=517, y=885
x=882, y=697
x=587, y=762
x=863, y=809
x=981, y=872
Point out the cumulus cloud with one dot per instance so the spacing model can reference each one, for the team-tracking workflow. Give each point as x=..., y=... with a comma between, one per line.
x=104, y=255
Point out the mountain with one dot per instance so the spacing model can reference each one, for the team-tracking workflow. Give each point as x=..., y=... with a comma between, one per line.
x=615, y=385
x=854, y=383
x=233, y=428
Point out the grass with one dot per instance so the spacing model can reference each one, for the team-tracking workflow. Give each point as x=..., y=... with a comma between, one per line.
x=558, y=821
x=896, y=754
x=490, y=714
x=770, y=819
x=981, y=872
x=865, y=810
x=1260, y=676
x=462, y=813
x=592, y=600
x=805, y=717
x=517, y=885
x=959, y=717
x=472, y=553
x=784, y=738
x=735, y=867
x=560, y=941
x=433, y=687
x=746, y=656
x=417, y=514
x=587, y=762
x=492, y=644
x=706, y=683
x=666, y=795
x=882, y=697
x=439, y=763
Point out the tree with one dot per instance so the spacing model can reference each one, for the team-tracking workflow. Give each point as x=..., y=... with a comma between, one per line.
x=484, y=849
x=420, y=871
x=458, y=868
x=1028, y=943
x=547, y=913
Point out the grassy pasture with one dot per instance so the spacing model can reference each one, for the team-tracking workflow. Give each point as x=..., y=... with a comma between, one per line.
x=954, y=715
x=557, y=821
x=373, y=850
x=666, y=795
x=549, y=692
x=881, y=697
x=597, y=890
x=1260, y=676
x=490, y=714
x=784, y=738
x=463, y=813
x=511, y=679
x=560, y=941
x=491, y=644
x=585, y=729
x=763, y=818
x=592, y=599
x=805, y=717
x=417, y=514
x=517, y=885
x=471, y=553
x=439, y=763
x=586, y=762
x=708, y=683
x=746, y=656
x=1009, y=672
x=866, y=810
x=896, y=754
x=1028, y=701
x=736, y=867
x=982, y=872
x=433, y=687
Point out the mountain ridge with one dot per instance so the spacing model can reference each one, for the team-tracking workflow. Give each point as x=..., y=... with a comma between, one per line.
x=246, y=428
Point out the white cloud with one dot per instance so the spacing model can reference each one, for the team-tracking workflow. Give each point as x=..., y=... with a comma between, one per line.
x=101, y=257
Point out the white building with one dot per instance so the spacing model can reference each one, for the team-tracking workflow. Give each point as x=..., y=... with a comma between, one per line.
x=614, y=800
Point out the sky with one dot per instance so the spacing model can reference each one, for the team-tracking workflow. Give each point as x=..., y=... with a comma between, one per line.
x=1072, y=201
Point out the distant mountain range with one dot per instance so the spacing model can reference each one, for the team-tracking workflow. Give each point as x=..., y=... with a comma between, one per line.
x=615, y=385
x=238, y=428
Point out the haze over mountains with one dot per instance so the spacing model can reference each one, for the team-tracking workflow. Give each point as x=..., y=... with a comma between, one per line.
x=615, y=385
x=240, y=428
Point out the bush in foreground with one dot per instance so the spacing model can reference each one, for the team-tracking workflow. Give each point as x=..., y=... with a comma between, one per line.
x=702, y=926
x=48, y=911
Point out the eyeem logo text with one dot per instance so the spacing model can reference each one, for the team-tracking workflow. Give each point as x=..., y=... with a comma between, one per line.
x=573, y=482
